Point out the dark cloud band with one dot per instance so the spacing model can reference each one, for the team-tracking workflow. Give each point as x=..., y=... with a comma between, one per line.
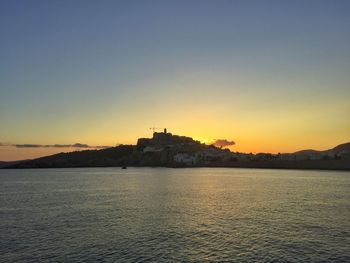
x=76, y=145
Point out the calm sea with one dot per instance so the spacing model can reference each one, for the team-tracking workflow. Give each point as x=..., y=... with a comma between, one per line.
x=174, y=215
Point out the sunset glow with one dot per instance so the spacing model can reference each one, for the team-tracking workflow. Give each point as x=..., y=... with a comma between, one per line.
x=270, y=77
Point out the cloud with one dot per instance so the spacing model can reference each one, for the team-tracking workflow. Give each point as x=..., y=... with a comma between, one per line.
x=80, y=145
x=59, y=145
x=223, y=143
x=27, y=145
x=75, y=145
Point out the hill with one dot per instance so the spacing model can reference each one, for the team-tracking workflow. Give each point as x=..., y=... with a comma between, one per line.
x=345, y=147
x=7, y=163
x=114, y=156
x=167, y=150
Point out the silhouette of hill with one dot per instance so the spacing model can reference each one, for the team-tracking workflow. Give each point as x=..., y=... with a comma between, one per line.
x=115, y=156
x=345, y=147
x=308, y=151
x=4, y=164
x=167, y=150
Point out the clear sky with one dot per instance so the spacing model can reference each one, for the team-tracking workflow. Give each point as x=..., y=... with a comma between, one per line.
x=273, y=76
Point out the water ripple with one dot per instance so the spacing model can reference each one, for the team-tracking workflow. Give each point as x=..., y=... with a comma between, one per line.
x=174, y=215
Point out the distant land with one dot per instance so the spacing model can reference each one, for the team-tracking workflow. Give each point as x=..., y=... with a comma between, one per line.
x=4, y=164
x=167, y=150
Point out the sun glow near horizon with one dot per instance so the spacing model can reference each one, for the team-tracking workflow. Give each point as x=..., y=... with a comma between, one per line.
x=210, y=75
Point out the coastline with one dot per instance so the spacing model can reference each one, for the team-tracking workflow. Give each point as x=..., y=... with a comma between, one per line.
x=330, y=165
x=167, y=150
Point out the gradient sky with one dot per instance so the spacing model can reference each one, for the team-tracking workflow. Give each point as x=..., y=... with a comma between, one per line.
x=273, y=76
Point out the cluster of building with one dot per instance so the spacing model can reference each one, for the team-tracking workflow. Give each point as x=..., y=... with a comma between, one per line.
x=182, y=150
x=315, y=155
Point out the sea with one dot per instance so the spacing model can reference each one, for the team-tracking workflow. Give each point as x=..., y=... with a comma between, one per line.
x=174, y=215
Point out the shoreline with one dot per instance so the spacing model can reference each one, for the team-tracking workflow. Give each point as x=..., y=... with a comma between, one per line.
x=330, y=165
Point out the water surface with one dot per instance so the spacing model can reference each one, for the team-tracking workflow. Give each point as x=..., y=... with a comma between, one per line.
x=172, y=215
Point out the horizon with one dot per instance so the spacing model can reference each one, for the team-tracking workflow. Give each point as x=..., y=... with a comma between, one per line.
x=271, y=76
x=39, y=150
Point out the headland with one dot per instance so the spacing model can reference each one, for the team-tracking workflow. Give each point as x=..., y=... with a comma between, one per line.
x=167, y=150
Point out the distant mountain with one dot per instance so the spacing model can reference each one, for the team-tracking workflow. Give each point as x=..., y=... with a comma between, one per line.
x=345, y=147
x=309, y=151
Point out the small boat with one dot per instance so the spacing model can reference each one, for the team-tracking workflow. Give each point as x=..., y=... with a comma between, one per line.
x=123, y=167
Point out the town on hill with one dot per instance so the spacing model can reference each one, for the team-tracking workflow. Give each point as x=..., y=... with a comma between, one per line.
x=167, y=150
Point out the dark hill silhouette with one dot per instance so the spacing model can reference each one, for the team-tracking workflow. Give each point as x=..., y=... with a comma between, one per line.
x=308, y=151
x=345, y=147
x=168, y=150
x=114, y=156
x=8, y=163
x=342, y=147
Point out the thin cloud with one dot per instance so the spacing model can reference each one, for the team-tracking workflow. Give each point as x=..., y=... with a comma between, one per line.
x=223, y=143
x=80, y=145
x=75, y=145
x=59, y=145
x=28, y=145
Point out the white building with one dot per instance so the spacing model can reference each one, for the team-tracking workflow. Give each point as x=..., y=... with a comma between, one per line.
x=184, y=158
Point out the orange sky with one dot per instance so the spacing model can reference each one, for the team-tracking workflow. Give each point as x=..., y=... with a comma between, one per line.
x=271, y=77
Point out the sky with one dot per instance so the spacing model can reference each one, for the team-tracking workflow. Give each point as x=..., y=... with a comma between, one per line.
x=273, y=76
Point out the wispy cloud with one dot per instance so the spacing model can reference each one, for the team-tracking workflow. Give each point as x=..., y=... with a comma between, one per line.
x=223, y=143
x=75, y=145
x=27, y=145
